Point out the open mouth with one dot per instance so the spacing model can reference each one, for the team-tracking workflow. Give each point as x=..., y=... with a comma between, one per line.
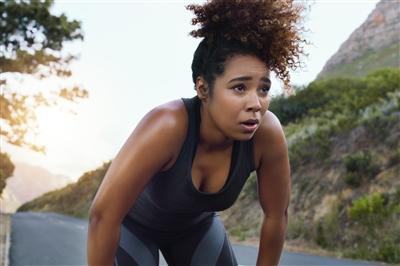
x=249, y=126
x=249, y=123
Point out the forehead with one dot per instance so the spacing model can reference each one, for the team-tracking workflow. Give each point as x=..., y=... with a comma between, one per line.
x=248, y=65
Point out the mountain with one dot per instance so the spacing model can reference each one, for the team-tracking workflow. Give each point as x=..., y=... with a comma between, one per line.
x=374, y=44
x=27, y=183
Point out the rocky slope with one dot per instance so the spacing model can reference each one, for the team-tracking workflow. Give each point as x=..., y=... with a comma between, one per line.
x=374, y=44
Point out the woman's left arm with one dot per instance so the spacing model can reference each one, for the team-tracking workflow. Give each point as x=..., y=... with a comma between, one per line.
x=273, y=177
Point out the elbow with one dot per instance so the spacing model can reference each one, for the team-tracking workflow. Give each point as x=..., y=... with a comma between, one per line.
x=95, y=215
x=94, y=219
x=279, y=216
x=101, y=216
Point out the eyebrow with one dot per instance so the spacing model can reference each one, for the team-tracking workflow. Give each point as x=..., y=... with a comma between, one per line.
x=245, y=78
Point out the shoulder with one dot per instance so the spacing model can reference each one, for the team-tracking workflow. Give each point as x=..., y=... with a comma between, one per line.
x=169, y=112
x=269, y=139
x=172, y=119
x=170, y=116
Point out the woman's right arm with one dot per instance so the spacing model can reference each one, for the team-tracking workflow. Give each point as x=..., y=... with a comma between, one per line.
x=146, y=152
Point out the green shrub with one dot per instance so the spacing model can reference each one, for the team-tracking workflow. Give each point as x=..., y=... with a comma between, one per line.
x=296, y=227
x=395, y=158
x=336, y=95
x=359, y=165
x=345, y=123
x=378, y=248
x=238, y=232
x=353, y=179
x=368, y=210
x=378, y=127
x=315, y=147
x=6, y=169
x=357, y=162
x=389, y=251
x=374, y=228
x=328, y=229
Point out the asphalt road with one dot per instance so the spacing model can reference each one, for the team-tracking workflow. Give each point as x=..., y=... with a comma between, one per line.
x=55, y=239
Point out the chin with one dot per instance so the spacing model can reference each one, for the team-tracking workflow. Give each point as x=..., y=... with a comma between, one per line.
x=245, y=137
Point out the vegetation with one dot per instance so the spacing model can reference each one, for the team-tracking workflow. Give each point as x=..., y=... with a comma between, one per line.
x=31, y=45
x=31, y=42
x=75, y=199
x=330, y=98
x=374, y=219
x=6, y=169
x=358, y=166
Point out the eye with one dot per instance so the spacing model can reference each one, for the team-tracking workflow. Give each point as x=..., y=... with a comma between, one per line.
x=239, y=88
x=265, y=89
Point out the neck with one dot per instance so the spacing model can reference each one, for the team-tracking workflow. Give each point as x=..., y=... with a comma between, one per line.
x=211, y=138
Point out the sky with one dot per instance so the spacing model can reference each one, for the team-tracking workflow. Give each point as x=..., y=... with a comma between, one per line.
x=137, y=55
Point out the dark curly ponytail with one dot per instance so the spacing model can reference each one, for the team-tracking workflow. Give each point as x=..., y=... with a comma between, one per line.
x=264, y=28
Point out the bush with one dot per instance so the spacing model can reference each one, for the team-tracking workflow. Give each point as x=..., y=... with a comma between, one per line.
x=368, y=210
x=296, y=227
x=328, y=229
x=6, y=170
x=379, y=127
x=395, y=158
x=374, y=228
x=336, y=95
x=359, y=165
x=353, y=179
x=315, y=147
x=357, y=162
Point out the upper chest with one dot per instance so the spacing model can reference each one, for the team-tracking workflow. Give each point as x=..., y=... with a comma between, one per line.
x=210, y=170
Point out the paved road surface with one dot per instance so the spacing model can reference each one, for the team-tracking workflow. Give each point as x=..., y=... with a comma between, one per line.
x=55, y=239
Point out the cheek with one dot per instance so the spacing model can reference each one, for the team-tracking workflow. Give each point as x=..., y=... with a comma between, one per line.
x=226, y=115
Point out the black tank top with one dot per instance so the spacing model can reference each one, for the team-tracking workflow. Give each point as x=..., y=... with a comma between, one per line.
x=171, y=202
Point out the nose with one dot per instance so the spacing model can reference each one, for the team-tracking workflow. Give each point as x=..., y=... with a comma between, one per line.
x=253, y=103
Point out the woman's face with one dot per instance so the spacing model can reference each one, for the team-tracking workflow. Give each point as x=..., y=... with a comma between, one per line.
x=240, y=94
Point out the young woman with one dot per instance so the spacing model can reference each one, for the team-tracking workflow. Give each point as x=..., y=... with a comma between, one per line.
x=189, y=158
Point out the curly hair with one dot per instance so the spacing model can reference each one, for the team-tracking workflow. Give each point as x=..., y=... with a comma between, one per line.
x=264, y=28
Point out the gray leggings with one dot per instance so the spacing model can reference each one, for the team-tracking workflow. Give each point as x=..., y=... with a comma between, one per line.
x=206, y=244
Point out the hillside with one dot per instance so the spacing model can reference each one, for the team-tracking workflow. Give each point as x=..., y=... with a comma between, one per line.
x=373, y=45
x=26, y=183
x=74, y=199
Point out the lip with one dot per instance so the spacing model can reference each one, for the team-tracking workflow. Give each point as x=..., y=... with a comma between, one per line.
x=251, y=121
x=249, y=128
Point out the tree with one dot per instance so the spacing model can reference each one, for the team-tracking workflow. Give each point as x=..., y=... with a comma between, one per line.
x=6, y=169
x=31, y=45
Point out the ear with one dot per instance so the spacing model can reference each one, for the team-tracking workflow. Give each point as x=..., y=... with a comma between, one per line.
x=202, y=88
